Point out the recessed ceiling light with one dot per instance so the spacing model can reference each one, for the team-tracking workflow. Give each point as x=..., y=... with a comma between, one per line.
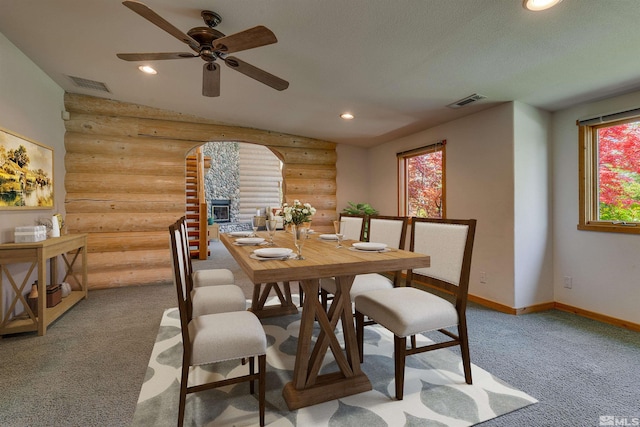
x=538, y=5
x=147, y=69
x=346, y=116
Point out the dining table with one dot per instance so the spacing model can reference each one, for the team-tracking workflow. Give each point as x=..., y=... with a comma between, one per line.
x=311, y=384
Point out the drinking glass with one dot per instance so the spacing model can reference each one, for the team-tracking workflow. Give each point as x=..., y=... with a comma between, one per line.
x=299, y=236
x=255, y=221
x=272, y=224
x=338, y=227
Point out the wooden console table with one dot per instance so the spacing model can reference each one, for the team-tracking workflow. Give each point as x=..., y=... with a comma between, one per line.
x=69, y=247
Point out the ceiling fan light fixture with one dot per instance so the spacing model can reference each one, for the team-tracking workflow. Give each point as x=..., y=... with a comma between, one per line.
x=539, y=5
x=147, y=69
x=347, y=116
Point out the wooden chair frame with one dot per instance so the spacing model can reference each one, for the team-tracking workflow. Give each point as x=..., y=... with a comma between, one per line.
x=366, y=225
x=184, y=306
x=460, y=293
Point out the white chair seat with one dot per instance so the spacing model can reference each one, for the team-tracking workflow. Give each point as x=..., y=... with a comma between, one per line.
x=362, y=283
x=217, y=299
x=216, y=337
x=212, y=277
x=407, y=311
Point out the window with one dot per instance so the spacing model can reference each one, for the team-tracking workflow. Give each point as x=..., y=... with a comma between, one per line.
x=421, y=181
x=610, y=173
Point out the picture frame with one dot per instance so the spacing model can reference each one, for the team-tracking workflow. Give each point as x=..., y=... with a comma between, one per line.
x=26, y=173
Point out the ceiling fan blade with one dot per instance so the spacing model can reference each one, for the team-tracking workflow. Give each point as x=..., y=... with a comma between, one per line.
x=154, y=56
x=247, y=39
x=148, y=14
x=256, y=73
x=211, y=79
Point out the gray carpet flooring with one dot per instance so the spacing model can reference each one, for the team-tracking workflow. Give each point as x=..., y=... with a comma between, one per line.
x=87, y=370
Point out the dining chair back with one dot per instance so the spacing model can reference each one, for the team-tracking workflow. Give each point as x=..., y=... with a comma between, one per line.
x=207, y=299
x=203, y=277
x=407, y=311
x=213, y=338
x=390, y=230
x=352, y=226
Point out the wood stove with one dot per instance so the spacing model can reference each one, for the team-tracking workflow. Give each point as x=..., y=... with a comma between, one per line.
x=220, y=210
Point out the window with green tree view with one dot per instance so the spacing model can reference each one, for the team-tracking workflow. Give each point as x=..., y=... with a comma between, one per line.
x=610, y=174
x=421, y=180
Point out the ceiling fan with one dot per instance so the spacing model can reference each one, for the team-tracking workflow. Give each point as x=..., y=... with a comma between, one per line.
x=210, y=45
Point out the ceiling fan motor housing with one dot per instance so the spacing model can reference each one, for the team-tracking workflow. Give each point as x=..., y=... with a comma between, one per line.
x=210, y=18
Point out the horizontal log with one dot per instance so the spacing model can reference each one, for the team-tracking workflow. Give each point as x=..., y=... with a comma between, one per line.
x=143, y=205
x=121, y=278
x=76, y=103
x=318, y=201
x=130, y=260
x=75, y=142
x=101, y=183
x=119, y=222
x=309, y=172
x=197, y=133
x=101, y=125
x=206, y=132
x=309, y=186
x=127, y=241
x=323, y=218
x=123, y=164
x=309, y=156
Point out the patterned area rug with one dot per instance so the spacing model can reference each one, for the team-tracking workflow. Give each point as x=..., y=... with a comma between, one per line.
x=435, y=391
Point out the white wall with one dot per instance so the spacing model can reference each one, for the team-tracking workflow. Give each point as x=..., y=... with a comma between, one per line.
x=605, y=267
x=352, y=176
x=480, y=184
x=30, y=105
x=532, y=214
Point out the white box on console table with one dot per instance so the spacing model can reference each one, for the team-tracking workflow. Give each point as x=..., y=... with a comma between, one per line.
x=30, y=234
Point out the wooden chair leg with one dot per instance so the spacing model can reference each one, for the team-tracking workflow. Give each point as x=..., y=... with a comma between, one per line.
x=360, y=334
x=413, y=342
x=262, y=382
x=301, y=293
x=252, y=370
x=324, y=298
x=184, y=383
x=400, y=354
x=464, y=349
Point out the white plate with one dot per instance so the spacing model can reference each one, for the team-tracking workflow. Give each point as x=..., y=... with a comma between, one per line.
x=369, y=246
x=272, y=252
x=250, y=241
x=241, y=233
x=328, y=237
x=266, y=258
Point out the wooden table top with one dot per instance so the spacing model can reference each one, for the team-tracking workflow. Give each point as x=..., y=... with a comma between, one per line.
x=322, y=259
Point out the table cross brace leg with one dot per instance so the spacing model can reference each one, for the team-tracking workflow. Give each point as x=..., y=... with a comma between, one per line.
x=18, y=294
x=261, y=294
x=307, y=387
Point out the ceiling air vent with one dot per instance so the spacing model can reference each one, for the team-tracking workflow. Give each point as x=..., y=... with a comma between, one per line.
x=89, y=84
x=466, y=101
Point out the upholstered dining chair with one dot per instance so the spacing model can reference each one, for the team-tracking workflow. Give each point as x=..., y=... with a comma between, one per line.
x=204, y=277
x=407, y=311
x=352, y=226
x=390, y=230
x=205, y=299
x=213, y=338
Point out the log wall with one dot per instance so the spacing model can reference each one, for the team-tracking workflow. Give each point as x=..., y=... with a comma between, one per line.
x=125, y=181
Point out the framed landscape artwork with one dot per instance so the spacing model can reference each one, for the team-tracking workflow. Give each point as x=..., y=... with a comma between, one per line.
x=26, y=173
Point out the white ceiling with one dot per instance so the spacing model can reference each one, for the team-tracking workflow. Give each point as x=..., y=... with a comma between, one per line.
x=394, y=64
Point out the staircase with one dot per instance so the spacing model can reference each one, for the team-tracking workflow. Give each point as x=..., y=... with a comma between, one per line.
x=196, y=204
